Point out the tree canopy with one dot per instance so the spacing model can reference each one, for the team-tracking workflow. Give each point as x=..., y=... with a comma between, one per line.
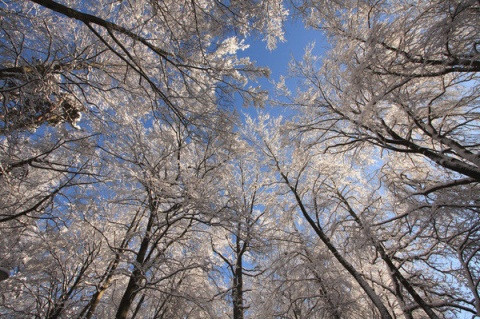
x=130, y=187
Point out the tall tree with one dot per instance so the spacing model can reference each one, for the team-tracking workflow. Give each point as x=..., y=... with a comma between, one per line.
x=397, y=266
x=291, y=165
x=401, y=81
x=133, y=70
x=246, y=227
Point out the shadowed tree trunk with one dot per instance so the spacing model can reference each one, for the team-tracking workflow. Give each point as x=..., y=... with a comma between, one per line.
x=237, y=292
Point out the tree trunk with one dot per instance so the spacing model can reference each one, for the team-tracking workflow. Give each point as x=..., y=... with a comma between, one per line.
x=237, y=293
x=134, y=283
x=384, y=314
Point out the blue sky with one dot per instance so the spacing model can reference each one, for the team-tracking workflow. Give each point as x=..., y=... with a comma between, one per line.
x=297, y=39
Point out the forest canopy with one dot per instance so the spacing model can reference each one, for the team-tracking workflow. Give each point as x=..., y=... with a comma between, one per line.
x=130, y=186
